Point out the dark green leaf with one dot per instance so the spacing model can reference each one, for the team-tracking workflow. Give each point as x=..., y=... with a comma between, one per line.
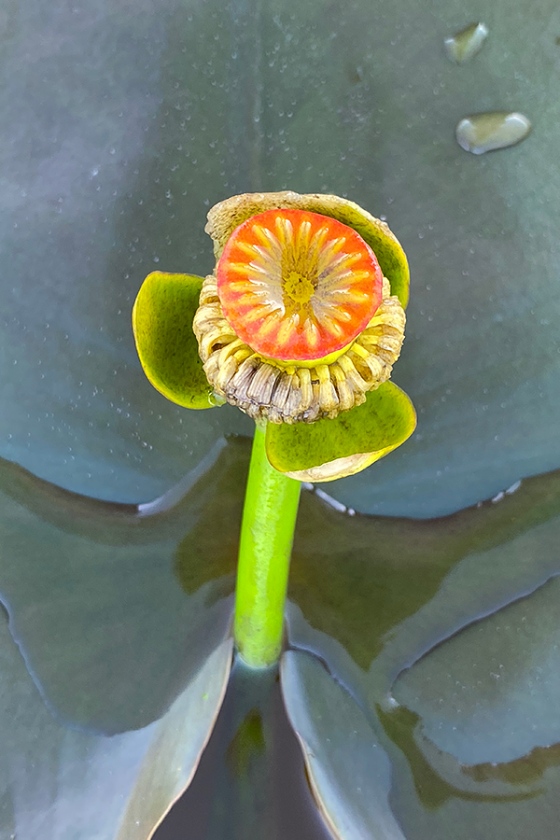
x=349, y=772
x=107, y=602
x=433, y=626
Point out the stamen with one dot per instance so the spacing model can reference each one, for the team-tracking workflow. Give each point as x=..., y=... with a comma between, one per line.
x=268, y=240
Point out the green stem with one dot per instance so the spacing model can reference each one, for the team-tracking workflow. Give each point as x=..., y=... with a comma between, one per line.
x=267, y=533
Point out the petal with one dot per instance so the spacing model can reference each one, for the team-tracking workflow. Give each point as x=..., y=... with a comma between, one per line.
x=162, y=321
x=224, y=217
x=330, y=449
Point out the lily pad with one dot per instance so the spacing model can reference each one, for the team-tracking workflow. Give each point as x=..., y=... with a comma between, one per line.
x=162, y=319
x=445, y=632
x=57, y=782
x=330, y=449
x=349, y=772
x=112, y=161
x=489, y=694
x=178, y=740
x=95, y=598
x=97, y=194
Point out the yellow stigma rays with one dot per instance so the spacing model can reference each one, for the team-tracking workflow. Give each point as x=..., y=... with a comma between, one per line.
x=290, y=264
x=297, y=285
x=291, y=267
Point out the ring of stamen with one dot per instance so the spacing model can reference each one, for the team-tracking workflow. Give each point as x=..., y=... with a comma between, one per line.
x=286, y=393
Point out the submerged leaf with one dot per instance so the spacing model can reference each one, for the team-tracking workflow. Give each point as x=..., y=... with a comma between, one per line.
x=489, y=694
x=332, y=448
x=58, y=782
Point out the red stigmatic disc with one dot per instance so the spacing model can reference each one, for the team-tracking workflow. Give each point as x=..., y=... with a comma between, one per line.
x=298, y=286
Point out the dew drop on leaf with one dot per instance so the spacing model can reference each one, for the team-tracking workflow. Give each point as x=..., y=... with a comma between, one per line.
x=486, y=132
x=465, y=44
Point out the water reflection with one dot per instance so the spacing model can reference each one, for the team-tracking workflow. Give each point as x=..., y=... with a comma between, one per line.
x=445, y=632
x=107, y=632
x=251, y=781
x=115, y=606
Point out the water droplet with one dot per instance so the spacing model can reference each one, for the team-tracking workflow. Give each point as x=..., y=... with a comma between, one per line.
x=465, y=44
x=485, y=132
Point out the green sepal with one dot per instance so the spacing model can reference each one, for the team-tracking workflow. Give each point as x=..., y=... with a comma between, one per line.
x=330, y=449
x=162, y=320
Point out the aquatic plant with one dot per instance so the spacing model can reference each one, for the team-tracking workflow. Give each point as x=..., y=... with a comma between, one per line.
x=422, y=674
x=298, y=326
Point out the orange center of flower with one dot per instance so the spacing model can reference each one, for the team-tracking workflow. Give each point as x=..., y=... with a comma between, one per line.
x=298, y=286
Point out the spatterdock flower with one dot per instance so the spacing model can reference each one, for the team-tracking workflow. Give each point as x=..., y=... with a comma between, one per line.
x=297, y=322
x=301, y=319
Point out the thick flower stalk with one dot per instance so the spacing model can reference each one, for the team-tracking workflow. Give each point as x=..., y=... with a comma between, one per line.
x=299, y=326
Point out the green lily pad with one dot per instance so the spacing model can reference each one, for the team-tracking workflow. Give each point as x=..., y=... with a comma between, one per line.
x=445, y=632
x=96, y=777
x=162, y=320
x=349, y=771
x=475, y=693
x=111, y=168
x=176, y=746
x=352, y=441
x=95, y=598
x=385, y=588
